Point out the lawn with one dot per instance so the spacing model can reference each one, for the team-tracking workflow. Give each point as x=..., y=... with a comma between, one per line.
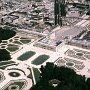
x=26, y=55
x=12, y=49
x=23, y=38
x=11, y=45
x=36, y=74
x=40, y=59
x=30, y=76
x=17, y=42
x=25, y=41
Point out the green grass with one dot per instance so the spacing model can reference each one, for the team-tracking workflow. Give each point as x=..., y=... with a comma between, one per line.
x=26, y=55
x=17, y=42
x=69, y=64
x=12, y=49
x=30, y=76
x=12, y=45
x=23, y=38
x=40, y=59
x=36, y=74
x=25, y=41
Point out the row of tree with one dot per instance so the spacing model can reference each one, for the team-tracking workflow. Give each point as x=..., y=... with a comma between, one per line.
x=68, y=79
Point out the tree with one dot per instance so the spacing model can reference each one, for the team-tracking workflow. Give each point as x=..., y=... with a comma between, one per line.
x=63, y=9
x=6, y=33
x=88, y=83
x=4, y=55
x=66, y=79
x=87, y=0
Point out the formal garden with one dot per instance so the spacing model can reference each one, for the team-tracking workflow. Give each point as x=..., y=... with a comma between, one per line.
x=78, y=54
x=15, y=78
x=11, y=40
x=14, y=44
x=71, y=63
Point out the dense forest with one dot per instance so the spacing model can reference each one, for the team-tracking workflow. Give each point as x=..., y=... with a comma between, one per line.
x=6, y=33
x=4, y=55
x=53, y=77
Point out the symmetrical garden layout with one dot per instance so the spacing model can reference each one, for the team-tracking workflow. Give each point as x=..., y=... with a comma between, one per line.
x=14, y=75
x=22, y=71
